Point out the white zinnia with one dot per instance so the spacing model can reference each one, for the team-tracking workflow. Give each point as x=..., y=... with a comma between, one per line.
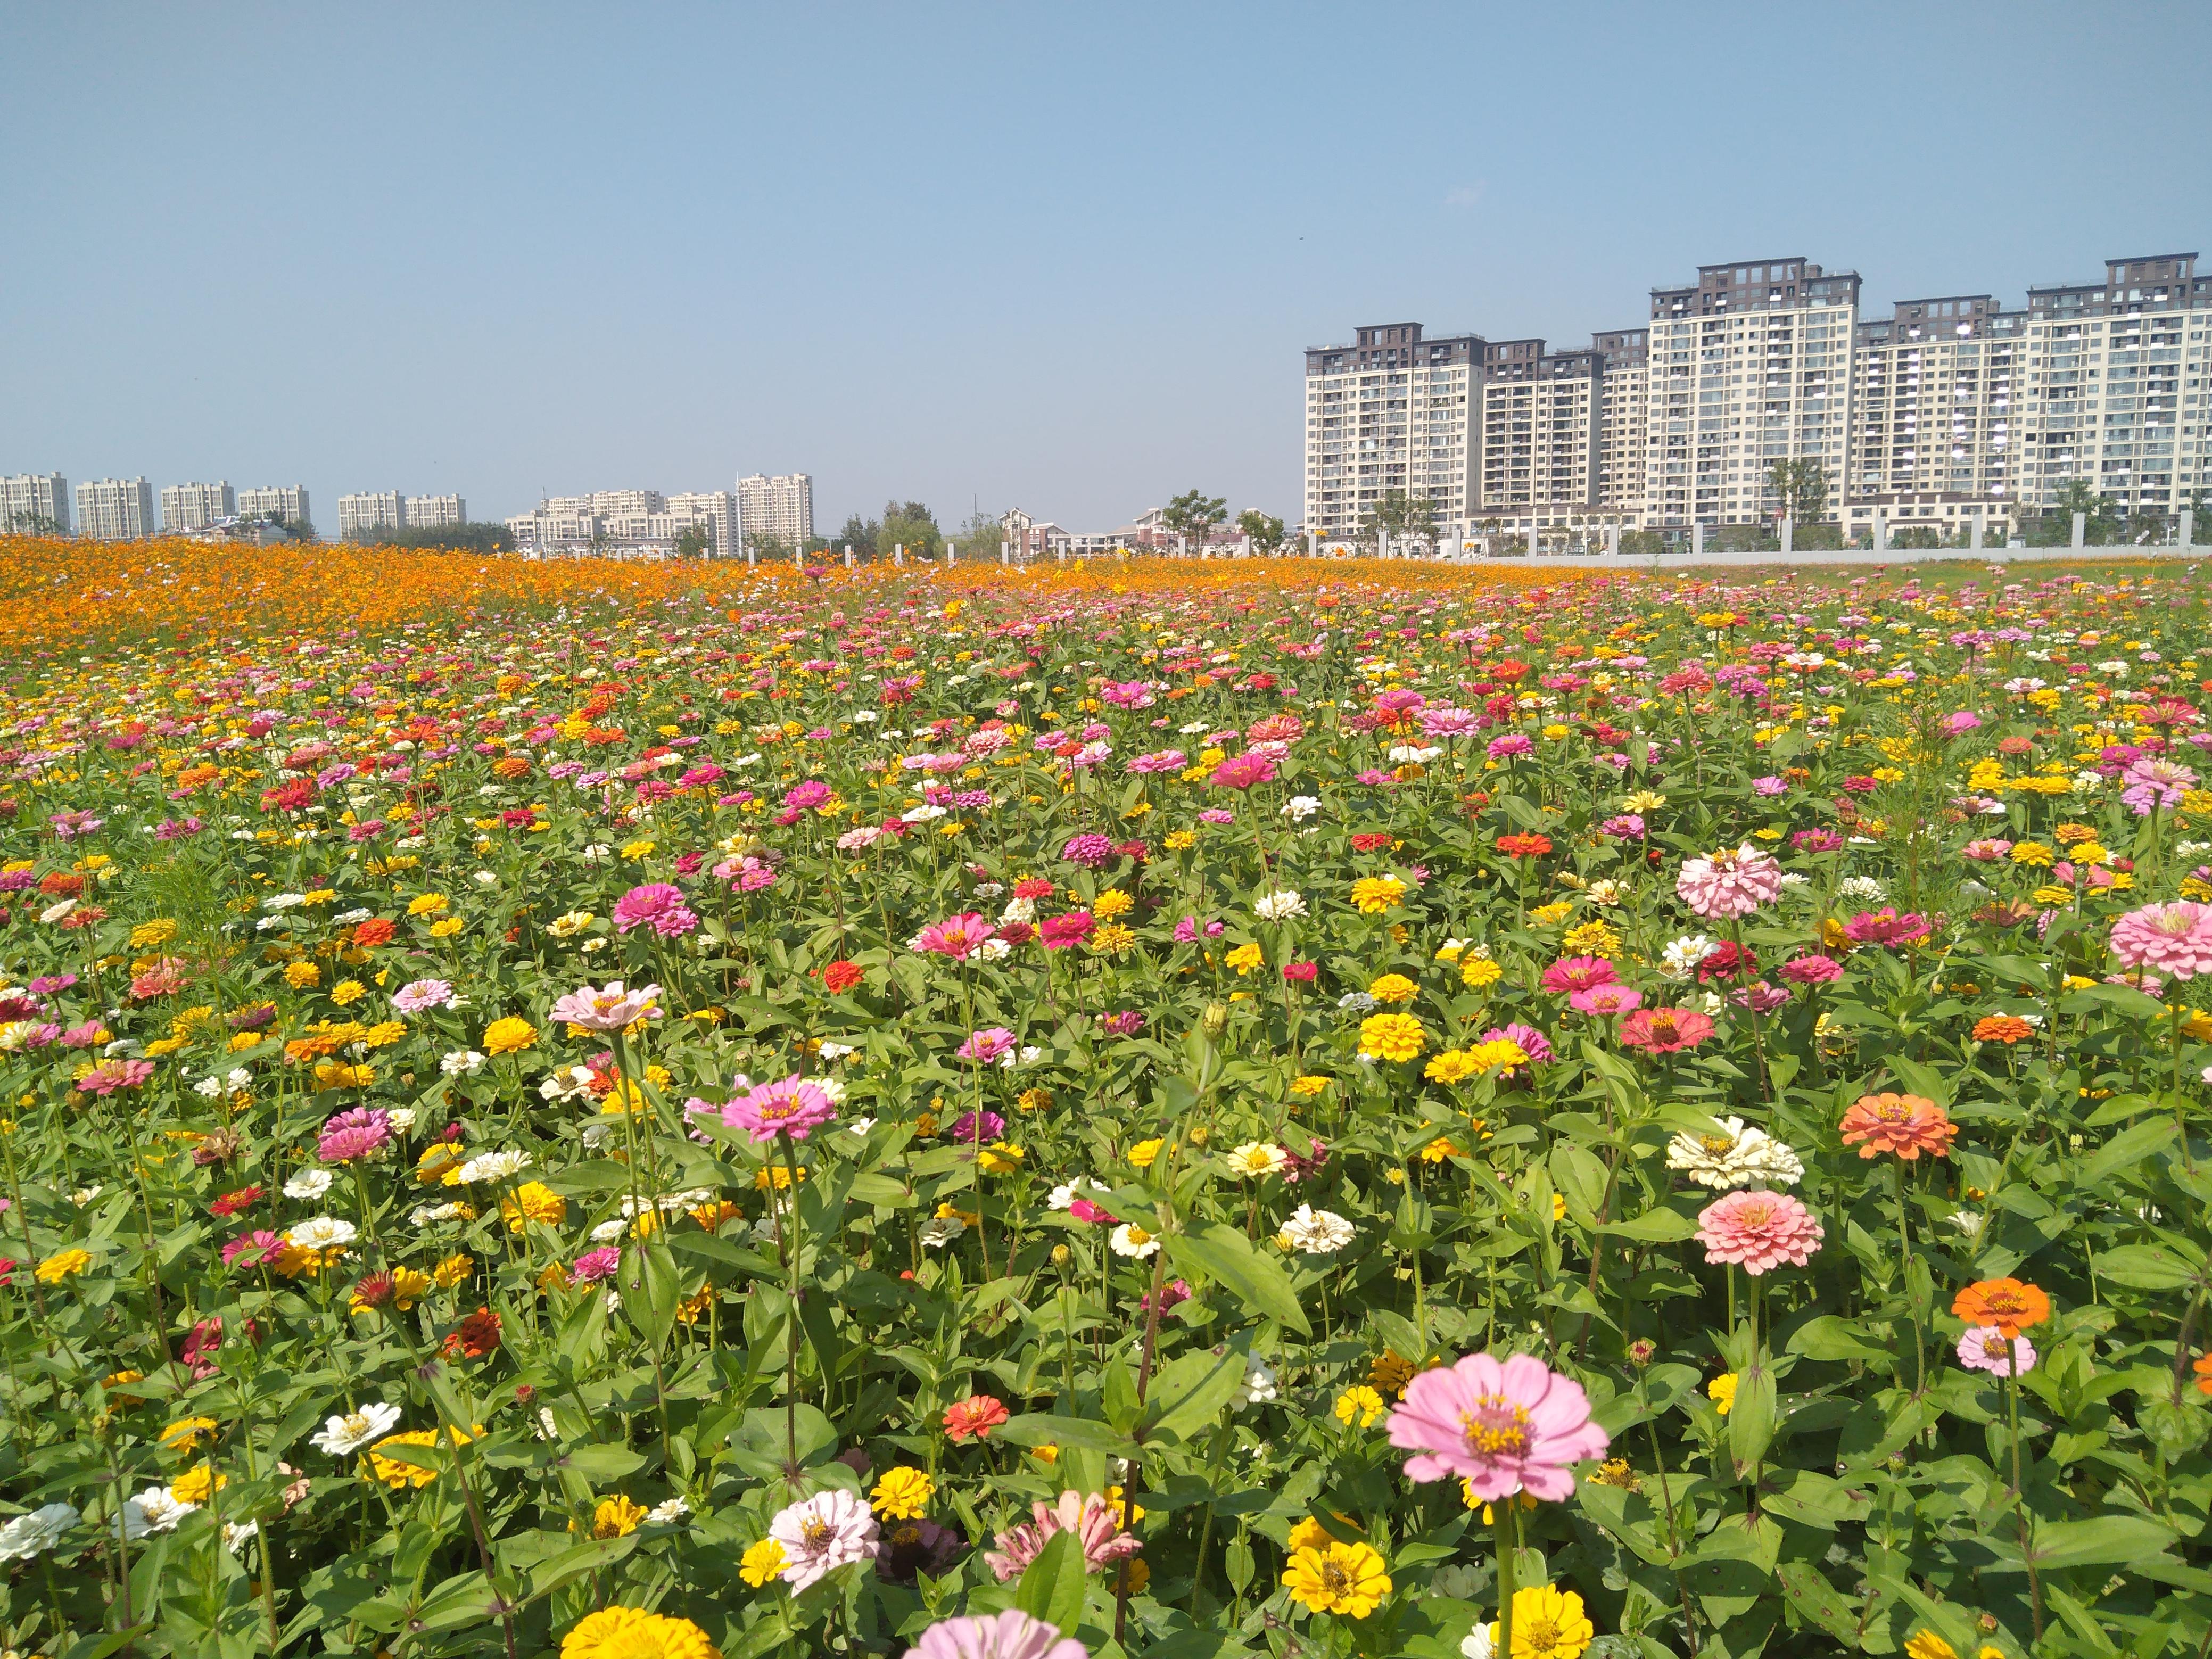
x=1280, y=906
x=34, y=1533
x=1745, y=1156
x=1131, y=1240
x=308, y=1184
x=343, y=1436
x=1257, y=1386
x=322, y=1232
x=493, y=1166
x=1317, y=1232
x=155, y=1509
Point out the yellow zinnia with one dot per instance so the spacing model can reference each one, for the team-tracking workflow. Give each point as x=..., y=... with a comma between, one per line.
x=634, y=1633
x=1348, y=1579
x=902, y=1494
x=1392, y=1036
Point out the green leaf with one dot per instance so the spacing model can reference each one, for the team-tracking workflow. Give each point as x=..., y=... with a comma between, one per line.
x=2148, y=1267
x=1752, y=1418
x=1819, y=1600
x=1219, y=1252
x=2124, y=1151
x=1052, y=1586
x=1041, y=1429
x=1187, y=1397
x=2106, y=1541
x=1660, y=1226
x=1831, y=1337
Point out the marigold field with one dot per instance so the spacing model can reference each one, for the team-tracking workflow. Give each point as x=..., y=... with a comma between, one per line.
x=1165, y=1109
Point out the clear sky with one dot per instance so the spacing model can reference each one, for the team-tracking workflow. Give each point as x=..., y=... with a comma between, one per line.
x=1055, y=257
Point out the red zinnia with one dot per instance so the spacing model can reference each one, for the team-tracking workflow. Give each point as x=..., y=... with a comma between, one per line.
x=1524, y=847
x=373, y=933
x=974, y=1417
x=1371, y=843
x=840, y=977
x=1665, y=1031
x=231, y=1203
x=476, y=1335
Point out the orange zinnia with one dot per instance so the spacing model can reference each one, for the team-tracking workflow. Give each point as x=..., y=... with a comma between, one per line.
x=2203, y=1369
x=1907, y=1125
x=2007, y=1028
x=2007, y=1304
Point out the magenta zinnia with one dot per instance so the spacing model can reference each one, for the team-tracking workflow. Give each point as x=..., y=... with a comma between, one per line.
x=1518, y=1426
x=656, y=905
x=354, y=1134
x=794, y=1107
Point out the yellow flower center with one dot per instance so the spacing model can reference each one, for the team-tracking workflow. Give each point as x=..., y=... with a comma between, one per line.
x=1497, y=1427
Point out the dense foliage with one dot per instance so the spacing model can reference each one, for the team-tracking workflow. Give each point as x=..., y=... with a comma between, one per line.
x=1228, y=1110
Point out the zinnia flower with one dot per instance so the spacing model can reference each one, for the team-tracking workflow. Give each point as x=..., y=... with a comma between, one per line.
x=354, y=1134
x=1759, y=1231
x=610, y=1009
x=1986, y=1348
x=656, y=905
x=2173, y=938
x=1905, y=1124
x=1095, y=1522
x=2008, y=1304
x=1348, y=1580
x=1504, y=1428
x=1724, y=884
x=974, y=1417
x=958, y=937
x=1665, y=1031
x=794, y=1107
x=1009, y=1635
x=634, y=1633
x=822, y=1534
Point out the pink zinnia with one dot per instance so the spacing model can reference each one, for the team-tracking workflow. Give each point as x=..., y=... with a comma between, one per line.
x=1665, y=1031
x=110, y=1075
x=252, y=1250
x=1242, y=771
x=1759, y=1231
x=1571, y=973
x=1724, y=884
x=1518, y=1426
x=1886, y=927
x=959, y=937
x=354, y=1134
x=593, y=1265
x=1009, y=1635
x=418, y=994
x=1811, y=970
x=656, y=905
x=1096, y=1522
x=2174, y=938
x=609, y=1009
x=1533, y=1044
x=1986, y=1349
x=1512, y=744
x=1449, y=722
x=1605, y=1000
x=794, y=1107
x=1058, y=932
x=985, y=1046
x=812, y=793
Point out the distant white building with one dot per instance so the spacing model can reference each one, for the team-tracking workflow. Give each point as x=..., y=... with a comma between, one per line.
x=115, y=509
x=34, y=500
x=782, y=507
x=432, y=511
x=373, y=510
x=285, y=502
x=634, y=521
x=196, y=506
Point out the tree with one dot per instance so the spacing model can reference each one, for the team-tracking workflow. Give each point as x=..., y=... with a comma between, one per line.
x=2103, y=513
x=1265, y=530
x=1802, y=486
x=471, y=538
x=1401, y=515
x=979, y=538
x=35, y=524
x=694, y=541
x=912, y=526
x=1194, y=514
x=860, y=534
x=767, y=548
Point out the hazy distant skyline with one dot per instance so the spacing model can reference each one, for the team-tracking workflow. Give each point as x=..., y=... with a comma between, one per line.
x=1037, y=257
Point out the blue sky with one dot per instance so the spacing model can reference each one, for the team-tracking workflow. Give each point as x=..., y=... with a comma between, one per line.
x=1059, y=257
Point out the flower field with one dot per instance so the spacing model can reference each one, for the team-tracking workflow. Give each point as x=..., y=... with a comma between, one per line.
x=1137, y=1109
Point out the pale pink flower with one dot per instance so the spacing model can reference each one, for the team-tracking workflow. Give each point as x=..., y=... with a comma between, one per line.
x=419, y=994
x=2175, y=939
x=958, y=937
x=1504, y=1428
x=987, y=1045
x=822, y=1534
x=1096, y=1522
x=1759, y=1231
x=1985, y=1348
x=609, y=1009
x=1724, y=884
x=1009, y=1635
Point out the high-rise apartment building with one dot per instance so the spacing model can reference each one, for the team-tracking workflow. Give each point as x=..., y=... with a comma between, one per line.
x=34, y=501
x=628, y=522
x=196, y=506
x=285, y=502
x=371, y=510
x=782, y=507
x=1951, y=408
x=433, y=512
x=2117, y=395
x=1391, y=410
x=115, y=509
x=1749, y=366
